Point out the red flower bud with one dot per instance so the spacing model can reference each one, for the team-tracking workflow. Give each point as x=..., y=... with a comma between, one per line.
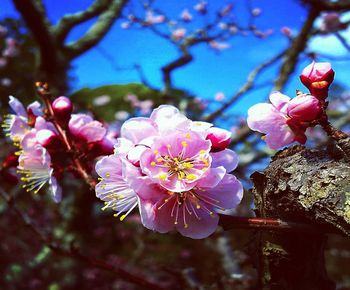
x=317, y=77
x=62, y=108
x=304, y=108
x=220, y=138
x=48, y=139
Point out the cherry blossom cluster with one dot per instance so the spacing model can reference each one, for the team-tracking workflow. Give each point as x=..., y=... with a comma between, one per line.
x=176, y=171
x=188, y=27
x=285, y=120
x=43, y=154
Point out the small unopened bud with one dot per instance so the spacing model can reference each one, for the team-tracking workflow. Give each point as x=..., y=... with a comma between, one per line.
x=317, y=77
x=220, y=138
x=48, y=139
x=62, y=108
x=100, y=148
x=304, y=108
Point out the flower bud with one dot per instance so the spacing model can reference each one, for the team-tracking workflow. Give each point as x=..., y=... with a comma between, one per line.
x=62, y=108
x=220, y=138
x=304, y=108
x=317, y=77
x=100, y=148
x=48, y=139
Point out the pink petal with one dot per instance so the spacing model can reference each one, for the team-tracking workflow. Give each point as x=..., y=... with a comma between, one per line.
x=137, y=129
x=226, y=158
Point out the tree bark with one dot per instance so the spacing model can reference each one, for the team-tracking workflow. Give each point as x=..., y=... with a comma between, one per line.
x=305, y=186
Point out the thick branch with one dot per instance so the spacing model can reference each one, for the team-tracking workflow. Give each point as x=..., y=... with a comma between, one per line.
x=69, y=21
x=325, y=5
x=35, y=18
x=169, y=68
x=298, y=45
x=95, y=34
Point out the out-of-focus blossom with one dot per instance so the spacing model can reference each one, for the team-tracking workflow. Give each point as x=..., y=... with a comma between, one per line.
x=186, y=15
x=233, y=29
x=331, y=23
x=153, y=19
x=101, y=100
x=284, y=120
x=201, y=7
x=218, y=45
x=5, y=82
x=35, y=165
x=3, y=62
x=3, y=31
x=226, y=10
x=11, y=48
x=125, y=25
x=174, y=169
x=222, y=25
x=317, y=77
x=146, y=106
x=286, y=31
x=219, y=96
x=121, y=115
x=178, y=34
x=256, y=11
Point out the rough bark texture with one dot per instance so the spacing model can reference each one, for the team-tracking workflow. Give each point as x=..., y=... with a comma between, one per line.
x=305, y=186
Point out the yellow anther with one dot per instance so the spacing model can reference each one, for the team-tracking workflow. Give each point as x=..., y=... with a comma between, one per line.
x=188, y=165
x=319, y=85
x=160, y=160
x=108, y=174
x=184, y=143
x=204, y=168
x=180, y=175
x=169, y=146
x=156, y=152
x=188, y=136
x=153, y=163
x=166, y=157
x=122, y=217
x=191, y=177
x=162, y=177
x=202, y=152
x=263, y=137
x=185, y=226
x=198, y=206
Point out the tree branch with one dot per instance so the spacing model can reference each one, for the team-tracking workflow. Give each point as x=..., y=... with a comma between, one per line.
x=249, y=84
x=69, y=21
x=340, y=5
x=298, y=45
x=94, y=35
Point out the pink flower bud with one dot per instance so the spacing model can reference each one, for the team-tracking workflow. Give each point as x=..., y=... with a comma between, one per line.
x=317, y=77
x=62, y=108
x=48, y=139
x=304, y=108
x=220, y=138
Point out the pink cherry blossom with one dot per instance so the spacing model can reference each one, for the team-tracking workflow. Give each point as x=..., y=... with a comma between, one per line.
x=218, y=45
x=115, y=188
x=35, y=165
x=17, y=125
x=153, y=19
x=177, y=161
x=178, y=34
x=273, y=121
x=331, y=23
x=317, y=77
x=186, y=15
x=84, y=127
x=304, y=108
x=192, y=213
x=201, y=7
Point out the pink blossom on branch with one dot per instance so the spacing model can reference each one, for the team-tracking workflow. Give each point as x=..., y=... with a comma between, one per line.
x=284, y=120
x=317, y=77
x=174, y=169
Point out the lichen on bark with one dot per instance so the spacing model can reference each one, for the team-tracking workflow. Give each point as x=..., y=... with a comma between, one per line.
x=304, y=186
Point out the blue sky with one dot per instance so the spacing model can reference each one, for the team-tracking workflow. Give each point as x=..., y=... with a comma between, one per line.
x=210, y=72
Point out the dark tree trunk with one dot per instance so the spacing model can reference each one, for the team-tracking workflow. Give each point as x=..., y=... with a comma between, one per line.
x=304, y=186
